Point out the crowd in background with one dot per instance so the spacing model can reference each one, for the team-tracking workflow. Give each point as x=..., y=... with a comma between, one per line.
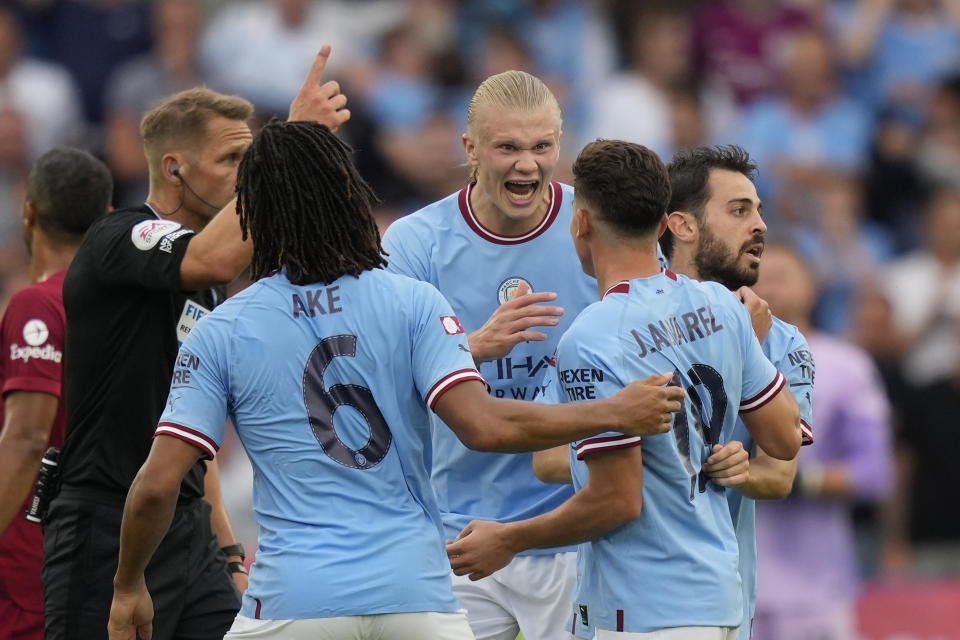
x=850, y=107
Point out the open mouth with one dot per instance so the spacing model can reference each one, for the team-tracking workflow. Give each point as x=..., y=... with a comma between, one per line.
x=522, y=190
x=754, y=250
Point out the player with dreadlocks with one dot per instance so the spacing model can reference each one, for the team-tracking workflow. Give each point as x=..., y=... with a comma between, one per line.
x=350, y=537
x=316, y=234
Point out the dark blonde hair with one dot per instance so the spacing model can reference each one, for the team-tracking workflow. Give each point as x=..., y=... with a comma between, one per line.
x=182, y=119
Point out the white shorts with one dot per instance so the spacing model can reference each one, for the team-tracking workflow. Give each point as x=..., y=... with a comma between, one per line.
x=673, y=633
x=532, y=594
x=426, y=625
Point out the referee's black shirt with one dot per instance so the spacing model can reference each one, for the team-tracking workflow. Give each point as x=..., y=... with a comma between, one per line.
x=125, y=314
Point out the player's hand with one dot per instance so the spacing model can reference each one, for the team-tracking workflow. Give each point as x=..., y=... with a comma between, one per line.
x=728, y=464
x=511, y=322
x=320, y=101
x=131, y=613
x=760, y=315
x=240, y=581
x=481, y=548
x=646, y=407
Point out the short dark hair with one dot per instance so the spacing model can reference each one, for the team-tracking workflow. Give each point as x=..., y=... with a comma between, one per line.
x=627, y=182
x=69, y=189
x=302, y=201
x=690, y=179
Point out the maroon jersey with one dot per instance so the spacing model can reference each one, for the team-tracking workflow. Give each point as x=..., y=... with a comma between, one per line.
x=31, y=359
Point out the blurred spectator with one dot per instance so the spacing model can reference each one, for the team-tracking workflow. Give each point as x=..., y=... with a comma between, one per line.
x=646, y=102
x=903, y=49
x=924, y=292
x=171, y=66
x=923, y=534
x=809, y=133
x=91, y=38
x=736, y=44
x=893, y=184
x=39, y=109
x=262, y=50
x=845, y=251
x=808, y=571
x=938, y=156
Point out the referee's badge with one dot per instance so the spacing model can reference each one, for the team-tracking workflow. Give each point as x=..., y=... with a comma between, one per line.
x=508, y=289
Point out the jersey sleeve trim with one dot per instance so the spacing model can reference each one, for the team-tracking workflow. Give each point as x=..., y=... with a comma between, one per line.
x=451, y=379
x=197, y=439
x=764, y=396
x=33, y=383
x=605, y=443
x=806, y=433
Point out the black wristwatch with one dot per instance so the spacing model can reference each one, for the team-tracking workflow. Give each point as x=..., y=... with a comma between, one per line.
x=234, y=549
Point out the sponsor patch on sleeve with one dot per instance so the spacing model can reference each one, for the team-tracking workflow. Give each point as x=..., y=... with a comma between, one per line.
x=451, y=325
x=145, y=235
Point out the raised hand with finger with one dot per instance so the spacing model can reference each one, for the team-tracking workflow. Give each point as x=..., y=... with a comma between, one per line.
x=760, y=316
x=320, y=101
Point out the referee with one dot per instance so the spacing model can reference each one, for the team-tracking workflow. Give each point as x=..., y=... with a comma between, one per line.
x=140, y=281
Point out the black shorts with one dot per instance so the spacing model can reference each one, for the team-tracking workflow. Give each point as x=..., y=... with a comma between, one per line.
x=194, y=597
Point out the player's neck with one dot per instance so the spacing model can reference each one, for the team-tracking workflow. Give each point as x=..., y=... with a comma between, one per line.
x=684, y=265
x=614, y=264
x=494, y=220
x=48, y=257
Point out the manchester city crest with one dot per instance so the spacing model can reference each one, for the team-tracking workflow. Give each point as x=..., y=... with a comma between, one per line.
x=508, y=289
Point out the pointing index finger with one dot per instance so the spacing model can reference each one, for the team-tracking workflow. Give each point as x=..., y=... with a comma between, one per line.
x=319, y=64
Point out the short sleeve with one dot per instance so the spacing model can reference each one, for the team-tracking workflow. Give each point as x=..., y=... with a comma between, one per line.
x=761, y=380
x=406, y=254
x=584, y=373
x=441, y=353
x=196, y=409
x=145, y=253
x=32, y=334
x=799, y=369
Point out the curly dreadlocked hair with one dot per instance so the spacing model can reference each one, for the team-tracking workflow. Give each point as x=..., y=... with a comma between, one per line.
x=306, y=208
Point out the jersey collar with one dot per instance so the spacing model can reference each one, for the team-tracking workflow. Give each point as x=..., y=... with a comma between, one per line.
x=624, y=285
x=466, y=210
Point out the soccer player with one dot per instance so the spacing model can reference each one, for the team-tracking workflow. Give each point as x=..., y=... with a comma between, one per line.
x=720, y=237
x=499, y=251
x=67, y=189
x=715, y=231
x=657, y=533
x=327, y=367
x=139, y=282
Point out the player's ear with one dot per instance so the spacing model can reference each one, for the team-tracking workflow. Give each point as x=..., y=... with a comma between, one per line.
x=471, y=149
x=29, y=214
x=581, y=221
x=682, y=225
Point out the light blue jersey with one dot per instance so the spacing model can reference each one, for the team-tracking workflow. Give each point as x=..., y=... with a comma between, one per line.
x=675, y=565
x=787, y=349
x=477, y=271
x=328, y=388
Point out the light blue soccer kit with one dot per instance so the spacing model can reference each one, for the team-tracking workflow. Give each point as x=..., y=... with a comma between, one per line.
x=477, y=270
x=328, y=388
x=677, y=564
x=787, y=349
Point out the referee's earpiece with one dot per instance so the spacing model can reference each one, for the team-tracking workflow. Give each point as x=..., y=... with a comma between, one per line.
x=175, y=169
